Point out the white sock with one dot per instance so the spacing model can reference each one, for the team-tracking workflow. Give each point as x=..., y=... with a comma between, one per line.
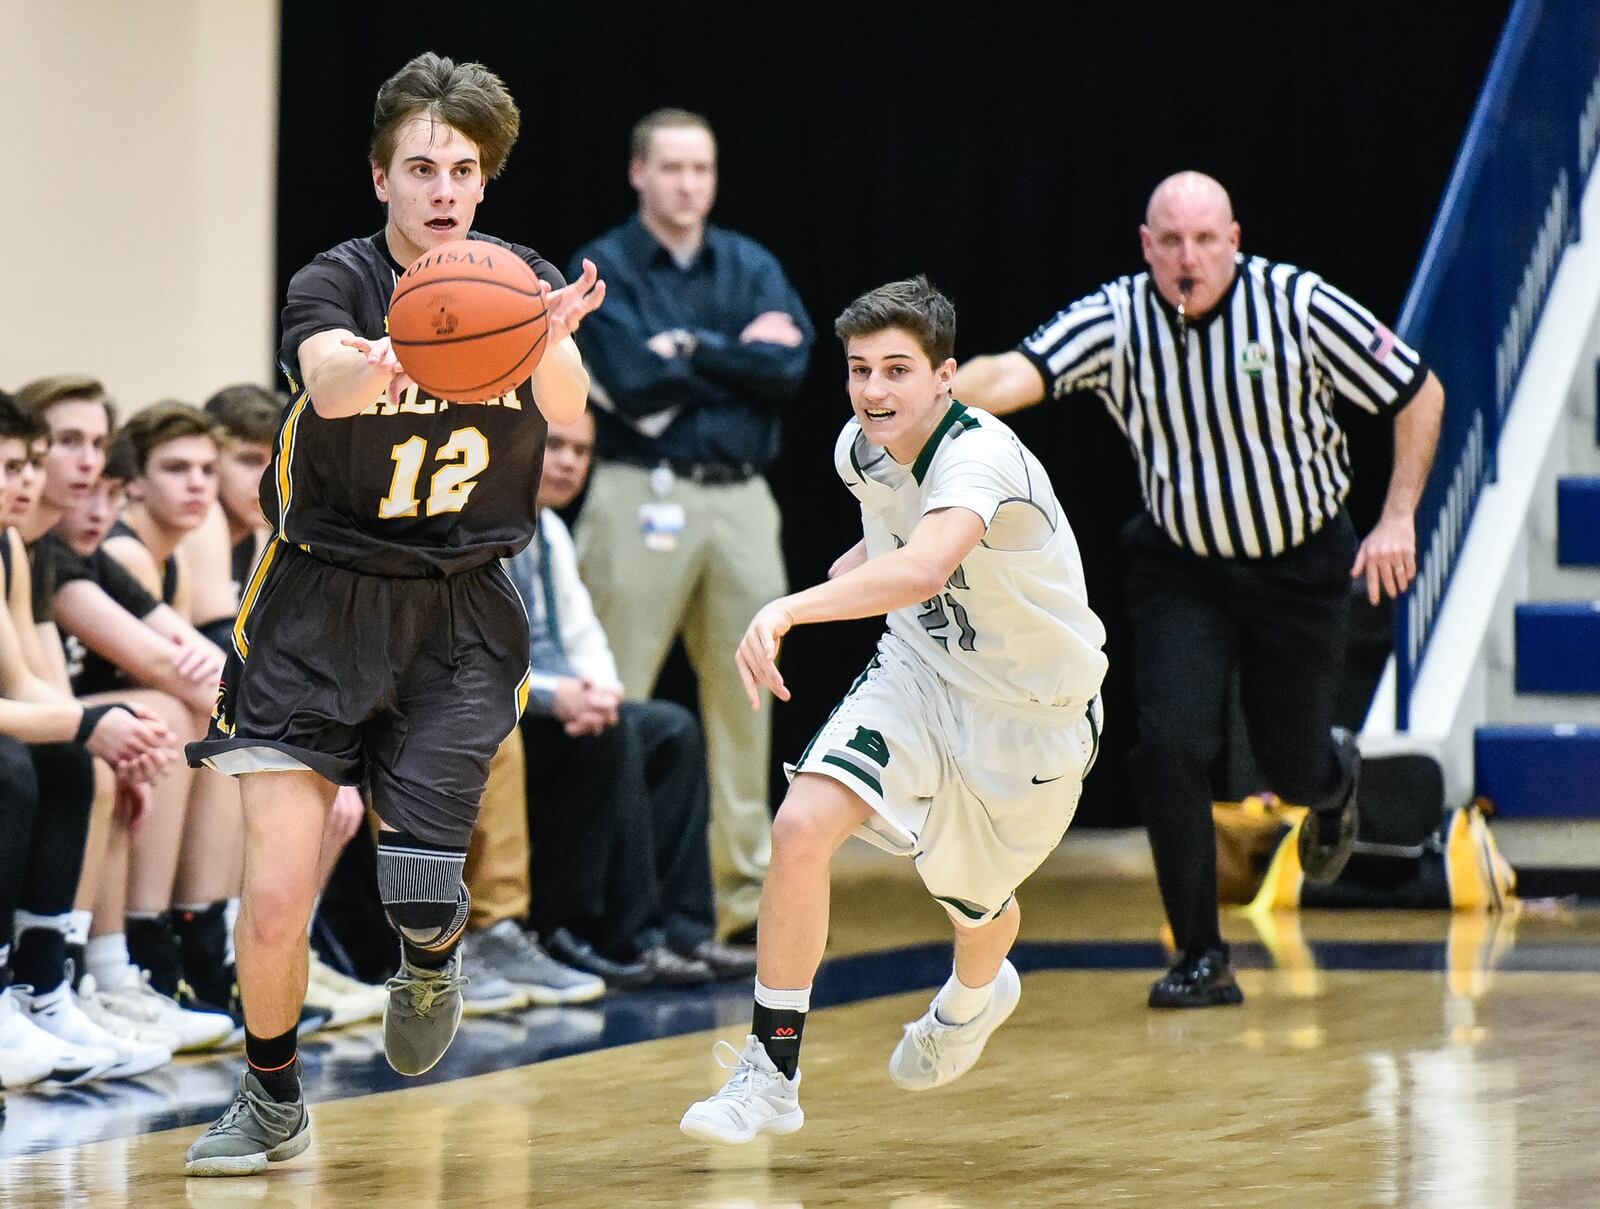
x=5, y=956
x=957, y=1003
x=78, y=923
x=787, y=1001
x=24, y=920
x=107, y=959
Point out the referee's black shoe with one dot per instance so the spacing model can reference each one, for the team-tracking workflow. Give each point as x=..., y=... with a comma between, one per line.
x=1329, y=831
x=1202, y=980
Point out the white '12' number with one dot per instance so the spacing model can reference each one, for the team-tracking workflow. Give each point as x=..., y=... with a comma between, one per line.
x=466, y=456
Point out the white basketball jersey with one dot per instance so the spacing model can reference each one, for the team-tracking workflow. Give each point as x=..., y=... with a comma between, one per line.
x=1012, y=625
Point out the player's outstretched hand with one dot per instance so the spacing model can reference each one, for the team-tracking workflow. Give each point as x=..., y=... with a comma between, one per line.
x=572, y=302
x=380, y=355
x=757, y=655
x=1388, y=558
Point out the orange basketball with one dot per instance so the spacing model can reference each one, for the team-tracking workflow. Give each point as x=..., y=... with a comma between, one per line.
x=467, y=322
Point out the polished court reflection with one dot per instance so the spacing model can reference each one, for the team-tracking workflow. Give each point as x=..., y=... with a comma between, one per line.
x=1379, y=1060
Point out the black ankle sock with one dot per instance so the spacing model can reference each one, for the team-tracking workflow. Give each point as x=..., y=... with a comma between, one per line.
x=275, y=1061
x=203, y=946
x=426, y=959
x=39, y=959
x=75, y=963
x=153, y=946
x=779, y=1031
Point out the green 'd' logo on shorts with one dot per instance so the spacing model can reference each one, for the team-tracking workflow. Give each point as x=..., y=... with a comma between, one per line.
x=870, y=744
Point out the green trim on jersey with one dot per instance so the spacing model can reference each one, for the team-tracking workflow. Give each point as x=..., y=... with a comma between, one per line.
x=956, y=413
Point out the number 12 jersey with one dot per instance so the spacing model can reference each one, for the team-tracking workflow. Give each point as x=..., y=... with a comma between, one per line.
x=422, y=487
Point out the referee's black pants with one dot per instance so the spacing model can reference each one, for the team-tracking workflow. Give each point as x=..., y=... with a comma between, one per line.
x=1282, y=622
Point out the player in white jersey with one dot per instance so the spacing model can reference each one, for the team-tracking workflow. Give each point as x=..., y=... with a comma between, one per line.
x=964, y=743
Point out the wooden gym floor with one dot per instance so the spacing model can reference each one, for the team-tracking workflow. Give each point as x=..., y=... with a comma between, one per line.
x=1393, y=1059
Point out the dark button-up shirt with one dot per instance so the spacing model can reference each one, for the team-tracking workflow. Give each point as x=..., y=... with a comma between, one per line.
x=721, y=404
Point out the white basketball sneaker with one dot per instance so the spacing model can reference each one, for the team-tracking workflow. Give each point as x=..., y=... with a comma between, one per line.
x=23, y=1043
x=22, y=1060
x=931, y=1054
x=98, y=1007
x=135, y=999
x=57, y=1013
x=757, y=1099
x=350, y=1001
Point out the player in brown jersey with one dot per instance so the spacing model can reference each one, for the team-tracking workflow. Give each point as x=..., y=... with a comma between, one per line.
x=379, y=641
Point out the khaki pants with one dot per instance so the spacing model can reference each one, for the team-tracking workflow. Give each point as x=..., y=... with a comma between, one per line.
x=727, y=563
x=497, y=855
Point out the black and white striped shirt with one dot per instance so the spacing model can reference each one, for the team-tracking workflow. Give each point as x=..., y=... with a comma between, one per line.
x=1232, y=425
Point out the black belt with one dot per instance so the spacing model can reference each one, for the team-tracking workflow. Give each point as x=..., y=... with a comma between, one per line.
x=706, y=474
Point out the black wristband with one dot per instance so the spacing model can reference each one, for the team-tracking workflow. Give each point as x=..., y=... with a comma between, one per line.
x=91, y=719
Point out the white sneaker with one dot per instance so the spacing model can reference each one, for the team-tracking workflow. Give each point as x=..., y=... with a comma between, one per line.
x=21, y=1041
x=101, y=1008
x=931, y=1054
x=20, y=1063
x=135, y=999
x=756, y=1099
x=350, y=1000
x=58, y=1014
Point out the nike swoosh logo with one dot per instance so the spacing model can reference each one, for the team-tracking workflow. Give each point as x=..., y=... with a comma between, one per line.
x=1047, y=780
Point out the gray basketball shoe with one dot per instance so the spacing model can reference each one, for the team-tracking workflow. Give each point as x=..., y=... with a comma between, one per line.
x=254, y=1131
x=519, y=959
x=424, y=1012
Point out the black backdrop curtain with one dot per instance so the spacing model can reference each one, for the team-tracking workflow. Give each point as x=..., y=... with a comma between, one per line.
x=1006, y=150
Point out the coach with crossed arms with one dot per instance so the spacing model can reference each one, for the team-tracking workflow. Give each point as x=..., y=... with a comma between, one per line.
x=1222, y=370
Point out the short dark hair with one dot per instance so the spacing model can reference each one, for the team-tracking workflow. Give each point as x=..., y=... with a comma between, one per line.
x=912, y=305
x=39, y=396
x=247, y=412
x=466, y=96
x=16, y=424
x=664, y=119
x=168, y=420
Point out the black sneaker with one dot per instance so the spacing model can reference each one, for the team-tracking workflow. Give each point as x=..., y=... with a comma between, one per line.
x=726, y=960
x=1202, y=981
x=581, y=955
x=1329, y=832
x=669, y=969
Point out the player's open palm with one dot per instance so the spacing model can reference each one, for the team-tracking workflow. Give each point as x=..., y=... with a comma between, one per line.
x=757, y=655
x=1388, y=558
x=569, y=305
x=380, y=356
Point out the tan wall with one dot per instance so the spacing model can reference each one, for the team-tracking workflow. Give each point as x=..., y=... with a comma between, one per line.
x=138, y=141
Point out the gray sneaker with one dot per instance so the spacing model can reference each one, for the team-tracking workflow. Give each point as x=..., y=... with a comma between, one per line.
x=254, y=1131
x=423, y=1014
x=519, y=958
x=487, y=991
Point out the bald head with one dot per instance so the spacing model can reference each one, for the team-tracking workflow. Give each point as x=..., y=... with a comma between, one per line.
x=1189, y=191
x=1189, y=240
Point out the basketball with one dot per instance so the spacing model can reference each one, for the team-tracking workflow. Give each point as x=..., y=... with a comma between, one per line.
x=467, y=321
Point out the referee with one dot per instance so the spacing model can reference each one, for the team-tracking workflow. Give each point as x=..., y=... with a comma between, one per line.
x=1222, y=370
